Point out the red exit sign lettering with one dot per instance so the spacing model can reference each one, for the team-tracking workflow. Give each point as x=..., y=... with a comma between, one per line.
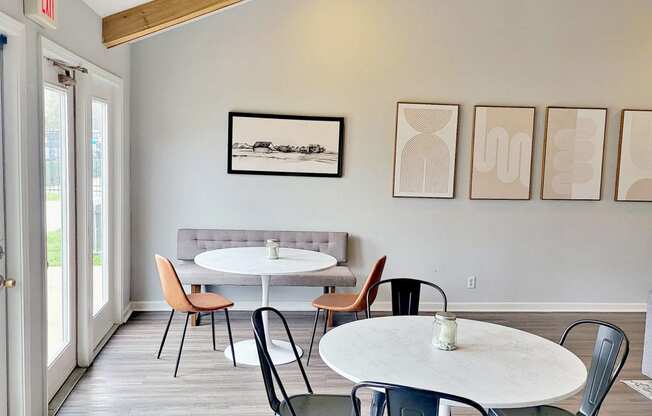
x=47, y=7
x=43, y=12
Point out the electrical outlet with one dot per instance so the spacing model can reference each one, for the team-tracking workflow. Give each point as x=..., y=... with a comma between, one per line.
x=470, y=282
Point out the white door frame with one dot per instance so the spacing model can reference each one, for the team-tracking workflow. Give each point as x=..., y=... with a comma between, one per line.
x=119, y=204
x=26, y=355
x=4, y=318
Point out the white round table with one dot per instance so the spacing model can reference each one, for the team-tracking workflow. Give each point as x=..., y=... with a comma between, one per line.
x=496, y=366
x=254, y=261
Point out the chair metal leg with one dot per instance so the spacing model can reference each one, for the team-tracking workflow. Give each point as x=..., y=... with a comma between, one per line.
x=213, y=328
x=326, y=314
x=165, y=335
x=228, y=327
x=355, y=314
x=312, y=339
x=183, y=337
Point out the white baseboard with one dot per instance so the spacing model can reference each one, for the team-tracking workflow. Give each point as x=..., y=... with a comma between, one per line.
x=431, y=306
x=542, y=307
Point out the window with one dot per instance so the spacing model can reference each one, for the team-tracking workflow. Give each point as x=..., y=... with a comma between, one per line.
x=56, y=207
x=99, y=136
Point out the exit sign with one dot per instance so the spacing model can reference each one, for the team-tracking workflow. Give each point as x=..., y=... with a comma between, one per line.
x=44, y=12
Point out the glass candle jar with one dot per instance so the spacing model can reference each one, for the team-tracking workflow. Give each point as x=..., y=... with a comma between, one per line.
x=273, y=246
x=444, y=334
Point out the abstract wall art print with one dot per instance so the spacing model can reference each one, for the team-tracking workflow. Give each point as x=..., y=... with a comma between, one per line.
x=424, y=150
x=502, y=152
x=266, y=144
x=634, y=182
x=573, y=153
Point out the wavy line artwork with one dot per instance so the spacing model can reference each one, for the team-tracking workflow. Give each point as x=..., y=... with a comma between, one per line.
x=502, y=152
x=425, y=160
x=510, y=158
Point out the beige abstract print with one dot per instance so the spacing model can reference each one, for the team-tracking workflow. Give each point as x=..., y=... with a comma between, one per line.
x=635, y=164
x=426, y=139
x=502, y=152
x=574, y=153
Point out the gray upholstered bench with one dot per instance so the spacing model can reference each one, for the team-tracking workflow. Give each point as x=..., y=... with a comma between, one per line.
x=191, y=242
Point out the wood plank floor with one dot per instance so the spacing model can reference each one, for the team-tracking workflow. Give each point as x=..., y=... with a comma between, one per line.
x=126, y=378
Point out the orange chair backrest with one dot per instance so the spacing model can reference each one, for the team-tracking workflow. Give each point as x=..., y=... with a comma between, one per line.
x=173, y=291
x=375, y=275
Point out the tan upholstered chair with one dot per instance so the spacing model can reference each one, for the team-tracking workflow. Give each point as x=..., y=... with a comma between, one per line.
x=191, y=303
x=347, y=302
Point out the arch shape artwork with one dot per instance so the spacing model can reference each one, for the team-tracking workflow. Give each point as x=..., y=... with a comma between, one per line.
x=426, y=137
x=425, y=165
x=635, y=158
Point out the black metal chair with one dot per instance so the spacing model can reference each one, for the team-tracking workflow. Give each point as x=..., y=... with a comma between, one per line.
x=405, y=295
x=402, y=400
x=308, y=404
x=606, y=363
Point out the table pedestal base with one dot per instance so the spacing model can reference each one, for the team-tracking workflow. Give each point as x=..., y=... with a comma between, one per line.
x=246, y=352
x=444, y=409
x=378, y=402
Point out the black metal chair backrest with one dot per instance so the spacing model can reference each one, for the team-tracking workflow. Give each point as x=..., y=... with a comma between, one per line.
x=606, y=363
x=270, y=375
x=402, y=400
x=405, y=295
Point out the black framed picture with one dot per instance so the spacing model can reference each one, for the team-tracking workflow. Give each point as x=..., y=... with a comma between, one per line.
x=269, y=144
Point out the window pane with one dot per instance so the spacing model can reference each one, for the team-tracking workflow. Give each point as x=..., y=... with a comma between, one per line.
x=99, y=137
x=56, y=137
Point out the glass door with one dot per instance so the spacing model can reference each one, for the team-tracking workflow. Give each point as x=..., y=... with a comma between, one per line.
x=98, y=210
x=58, y=182
x=100, y=251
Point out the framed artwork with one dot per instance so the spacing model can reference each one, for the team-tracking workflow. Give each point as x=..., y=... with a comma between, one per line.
x=425, y=149
x=573, y=153
x=501, y=162
x=634, y=175
x=267, y=144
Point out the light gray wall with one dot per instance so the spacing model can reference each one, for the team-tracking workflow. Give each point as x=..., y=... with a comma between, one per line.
x=79, y=30
x=357, y=59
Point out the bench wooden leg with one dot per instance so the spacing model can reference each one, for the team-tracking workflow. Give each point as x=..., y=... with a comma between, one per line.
x=194, y=319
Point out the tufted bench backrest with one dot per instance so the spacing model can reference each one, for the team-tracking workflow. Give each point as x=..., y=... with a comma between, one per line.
x=192, y=241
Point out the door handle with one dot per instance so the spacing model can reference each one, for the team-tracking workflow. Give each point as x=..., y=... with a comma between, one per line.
x=7, y=283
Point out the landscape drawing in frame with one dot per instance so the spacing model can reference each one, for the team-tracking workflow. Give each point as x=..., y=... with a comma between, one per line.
x=634, y=177
x=501, y=162
x=425, y=150
x=573, y=153
x=267, y=144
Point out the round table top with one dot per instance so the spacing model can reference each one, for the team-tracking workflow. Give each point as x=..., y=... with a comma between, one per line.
x=254, y=261
x=496, y=366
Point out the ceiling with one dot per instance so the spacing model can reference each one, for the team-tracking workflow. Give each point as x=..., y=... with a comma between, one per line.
x=108, y=7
